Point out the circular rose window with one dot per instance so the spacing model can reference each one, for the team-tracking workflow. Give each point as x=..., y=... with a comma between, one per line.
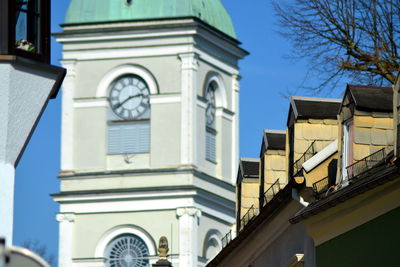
x=127, y=251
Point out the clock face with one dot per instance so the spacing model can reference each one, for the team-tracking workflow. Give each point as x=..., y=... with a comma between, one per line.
x=210, y=108
x=129, y=97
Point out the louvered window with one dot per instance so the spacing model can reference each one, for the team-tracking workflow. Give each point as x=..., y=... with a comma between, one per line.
x=132, y=137
x=211, y=145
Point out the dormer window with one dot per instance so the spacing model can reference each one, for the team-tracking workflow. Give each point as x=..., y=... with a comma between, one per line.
x=25, y=29
x=347, y=157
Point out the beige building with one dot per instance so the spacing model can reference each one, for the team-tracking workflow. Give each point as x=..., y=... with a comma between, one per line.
x=353, y=212
x=265, y=236
x=247, y=186
x=341, y=202
x=149, y=132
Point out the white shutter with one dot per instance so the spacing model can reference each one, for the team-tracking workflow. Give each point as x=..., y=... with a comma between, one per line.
x=144, y=137
x=211, y=146
x=131, y=137
x=114, y=139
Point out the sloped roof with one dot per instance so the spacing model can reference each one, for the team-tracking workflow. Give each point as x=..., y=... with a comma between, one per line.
x=211, y=12
x=314, y=107
x=273, y=139
x=248, y=168
x=372, y=98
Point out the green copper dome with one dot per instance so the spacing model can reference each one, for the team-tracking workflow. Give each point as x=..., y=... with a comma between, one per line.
x=210, y=11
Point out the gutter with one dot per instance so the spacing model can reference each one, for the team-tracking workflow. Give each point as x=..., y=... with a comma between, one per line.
x=267, y=213
x=386, y=174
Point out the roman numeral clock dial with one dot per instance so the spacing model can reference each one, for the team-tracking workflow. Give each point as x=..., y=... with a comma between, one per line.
x=129, y=97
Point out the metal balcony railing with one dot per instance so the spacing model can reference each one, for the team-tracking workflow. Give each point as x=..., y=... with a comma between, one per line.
x=365, y=164
x=309, y=153
x=271, y=192
x=250, y=214
x=320, y=187
x=226, y=239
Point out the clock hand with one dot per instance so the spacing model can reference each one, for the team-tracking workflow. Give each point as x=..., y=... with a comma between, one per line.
x=126, y=100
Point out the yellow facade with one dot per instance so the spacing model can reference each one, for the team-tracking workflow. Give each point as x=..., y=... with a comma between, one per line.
x=250, y=193
x=372, y=132
x=274, y=167
x=319, y=172
x=323, y=132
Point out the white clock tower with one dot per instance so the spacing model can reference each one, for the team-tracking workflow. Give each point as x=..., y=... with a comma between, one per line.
x=149, y=131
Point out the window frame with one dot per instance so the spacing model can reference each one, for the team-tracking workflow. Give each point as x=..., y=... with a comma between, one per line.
x=112, y=233
x=109, y=247
x=124, y=122
x=8, y=32
x=213, y=134
x=347, y=148
x=127, y=124
x=210, y=130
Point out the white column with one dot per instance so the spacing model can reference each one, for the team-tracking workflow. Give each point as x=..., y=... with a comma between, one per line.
x=7, y=178
x=188, y=107
x=188, y=236
x=67, y=116
x=66, y=221
x=235, y=127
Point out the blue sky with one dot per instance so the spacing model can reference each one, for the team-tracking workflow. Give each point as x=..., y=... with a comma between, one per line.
x=266, y=75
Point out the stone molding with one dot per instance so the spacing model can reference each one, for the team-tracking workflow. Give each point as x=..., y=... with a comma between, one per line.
x=190, y=61
x=191, y=211
x=65, y=217
x=69, y=65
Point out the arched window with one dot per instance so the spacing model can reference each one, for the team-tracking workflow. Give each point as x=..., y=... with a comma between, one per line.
x=211, y=132
x=212, y=244
x=127, y=250
x=129, y=115
x=212, y=249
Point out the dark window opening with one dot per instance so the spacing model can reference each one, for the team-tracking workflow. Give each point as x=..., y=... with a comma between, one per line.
x=25, y=29
x=27, y=26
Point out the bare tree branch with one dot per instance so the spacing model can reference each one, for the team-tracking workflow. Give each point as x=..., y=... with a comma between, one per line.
x=352, y=39
x=41, y=250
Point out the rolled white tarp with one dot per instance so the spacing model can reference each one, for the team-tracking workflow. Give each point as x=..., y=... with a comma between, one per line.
x=318, y=158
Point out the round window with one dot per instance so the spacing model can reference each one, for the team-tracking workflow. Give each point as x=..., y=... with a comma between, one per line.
x=127, y=251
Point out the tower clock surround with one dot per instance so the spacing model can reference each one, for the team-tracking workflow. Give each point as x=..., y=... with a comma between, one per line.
x=129, y=97
x=113, y=74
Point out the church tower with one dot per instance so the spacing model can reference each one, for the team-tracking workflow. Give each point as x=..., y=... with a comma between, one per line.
x=150, y=122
